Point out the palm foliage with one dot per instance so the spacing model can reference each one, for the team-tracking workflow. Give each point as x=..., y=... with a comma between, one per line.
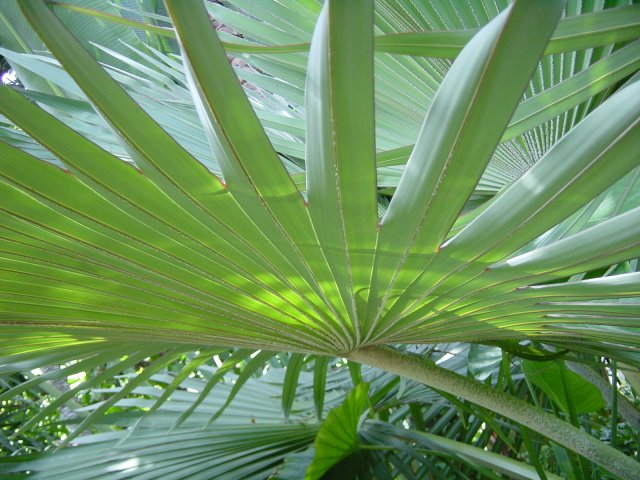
x=397, y=174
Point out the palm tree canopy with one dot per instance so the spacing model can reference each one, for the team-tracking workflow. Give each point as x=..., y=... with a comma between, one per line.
x=239, y=254
x=383, y=173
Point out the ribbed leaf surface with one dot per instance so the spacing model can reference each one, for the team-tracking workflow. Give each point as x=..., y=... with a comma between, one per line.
x=252, y=219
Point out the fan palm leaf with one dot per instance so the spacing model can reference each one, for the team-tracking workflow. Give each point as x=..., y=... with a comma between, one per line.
x=309, y=251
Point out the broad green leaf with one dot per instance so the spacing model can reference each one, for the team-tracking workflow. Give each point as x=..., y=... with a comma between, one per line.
x=338, y=436
x=563, y=386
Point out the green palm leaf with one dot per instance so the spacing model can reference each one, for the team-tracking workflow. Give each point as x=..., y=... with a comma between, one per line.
x=290, y=215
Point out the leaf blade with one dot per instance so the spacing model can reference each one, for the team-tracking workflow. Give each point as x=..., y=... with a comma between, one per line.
x=450, y=155
x=341, y=184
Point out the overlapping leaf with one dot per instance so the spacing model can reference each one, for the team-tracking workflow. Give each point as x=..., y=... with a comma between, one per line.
x=253, y=222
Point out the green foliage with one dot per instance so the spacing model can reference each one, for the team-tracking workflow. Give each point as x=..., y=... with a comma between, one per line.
x=568, y=390
x=210, y=210
x=337, y=439
x=17, y=411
